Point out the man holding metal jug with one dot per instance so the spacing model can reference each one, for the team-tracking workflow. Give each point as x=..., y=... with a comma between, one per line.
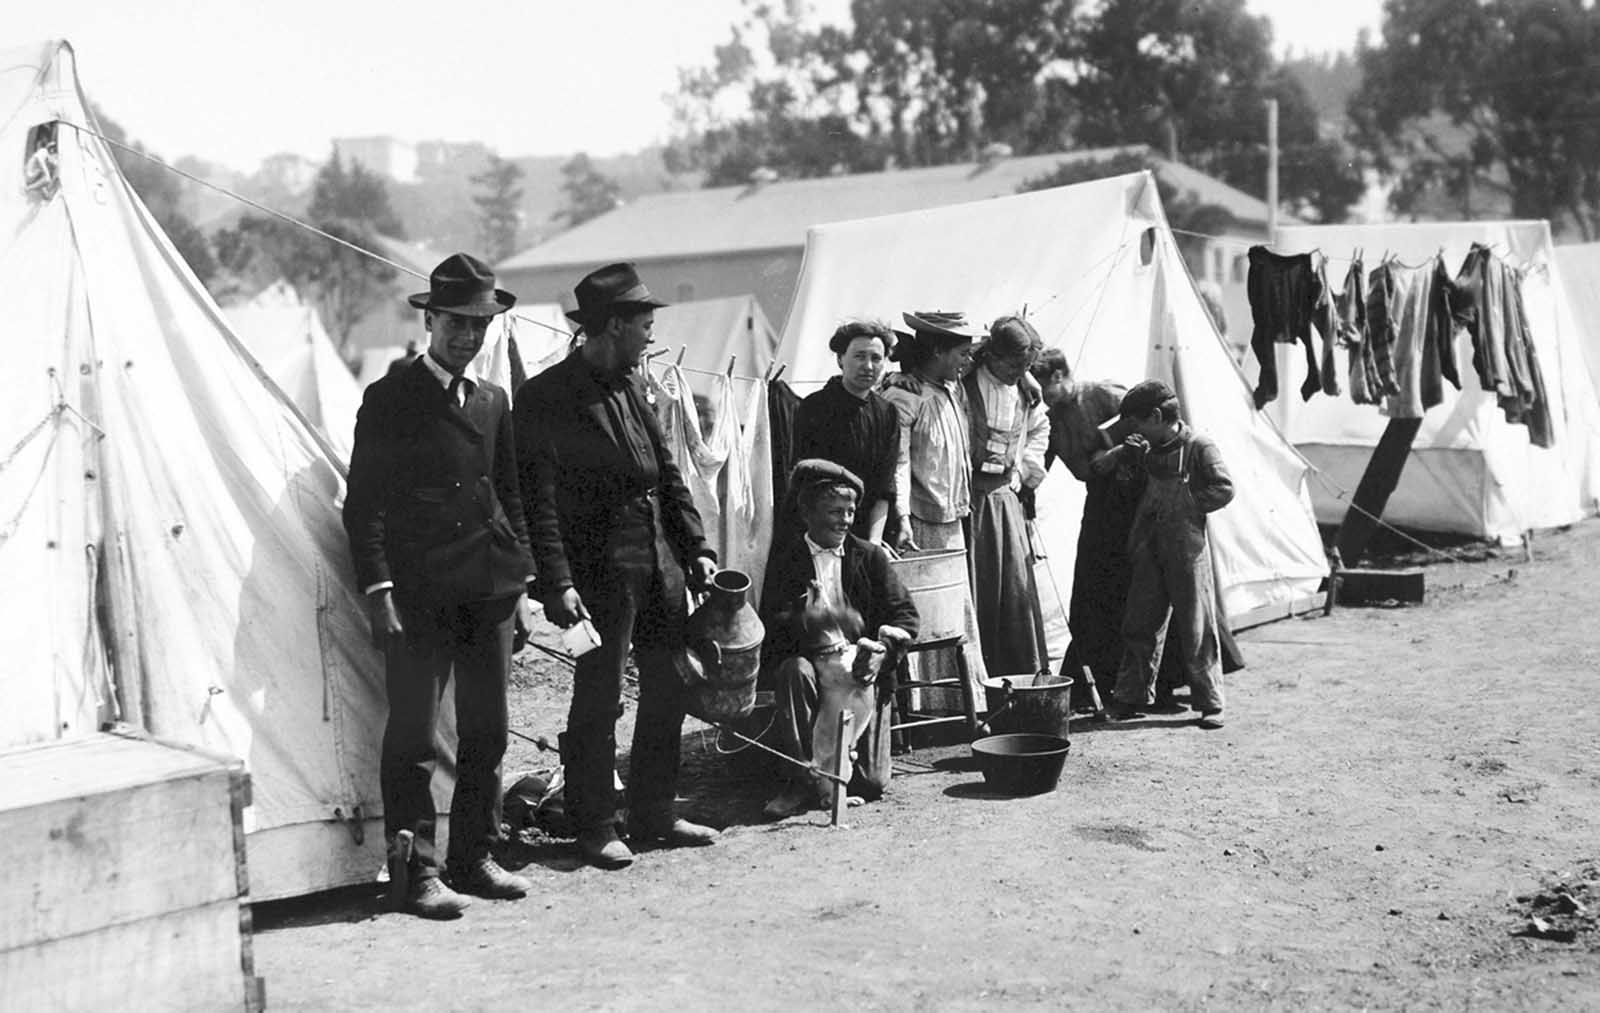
x=616, y=537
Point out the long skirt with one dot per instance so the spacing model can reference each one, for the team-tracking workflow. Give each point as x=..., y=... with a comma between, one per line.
x=1003, y=588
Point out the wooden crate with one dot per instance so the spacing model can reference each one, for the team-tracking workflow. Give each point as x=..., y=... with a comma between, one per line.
x=126, y=884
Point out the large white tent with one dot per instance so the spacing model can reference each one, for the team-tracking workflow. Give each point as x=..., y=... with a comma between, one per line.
x=1580, y=271
x=285, y=334
x=1469, y=470
x=171, y=536
x=1096, y=270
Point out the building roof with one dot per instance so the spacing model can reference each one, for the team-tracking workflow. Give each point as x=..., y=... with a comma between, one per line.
x=776, y=215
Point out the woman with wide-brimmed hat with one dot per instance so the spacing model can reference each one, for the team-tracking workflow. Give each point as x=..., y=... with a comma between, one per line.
x=1010, y=433
x=935, y=479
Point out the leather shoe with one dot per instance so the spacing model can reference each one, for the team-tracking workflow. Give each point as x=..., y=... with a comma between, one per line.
x=1211, y=720
x=603, y=849
x=485, y=878
x=1119, y=711
x=673, y=832
x=430, y=898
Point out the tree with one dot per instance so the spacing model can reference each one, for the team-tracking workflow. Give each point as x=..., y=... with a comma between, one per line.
x=499, y=207
x=929, y=82
x=353, y=194
x=1195, y=77
x=589, y=192
x=1498, y=99
x=350, y=204
x=161, y=190
x=910, y=83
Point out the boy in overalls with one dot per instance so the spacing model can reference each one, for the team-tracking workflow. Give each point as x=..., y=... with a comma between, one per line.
x=1169, y=555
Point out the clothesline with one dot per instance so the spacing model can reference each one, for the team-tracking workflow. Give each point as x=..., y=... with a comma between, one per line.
x=1525, y=267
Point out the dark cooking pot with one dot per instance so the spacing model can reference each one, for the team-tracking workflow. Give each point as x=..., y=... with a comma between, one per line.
x=1021, y=764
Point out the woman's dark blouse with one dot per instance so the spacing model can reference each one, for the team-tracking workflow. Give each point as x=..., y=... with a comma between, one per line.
x=861, y=434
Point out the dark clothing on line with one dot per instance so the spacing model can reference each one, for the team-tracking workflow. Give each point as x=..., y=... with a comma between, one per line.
x=1284, y=293
x=1381, y=328
x=1489, y=305
x=860, y=434
x=782, y=405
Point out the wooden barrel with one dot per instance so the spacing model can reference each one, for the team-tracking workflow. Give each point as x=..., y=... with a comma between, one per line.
x=937, y=580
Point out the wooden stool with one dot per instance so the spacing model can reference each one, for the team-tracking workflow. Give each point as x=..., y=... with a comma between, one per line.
x=904, y=686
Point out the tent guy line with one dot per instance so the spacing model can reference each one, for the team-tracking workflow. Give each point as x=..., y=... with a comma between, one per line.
x=282, y=216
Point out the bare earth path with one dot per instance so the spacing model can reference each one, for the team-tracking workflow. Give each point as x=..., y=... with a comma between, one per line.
x=1389, y=782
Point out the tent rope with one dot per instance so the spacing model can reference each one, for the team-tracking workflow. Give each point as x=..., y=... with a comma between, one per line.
x=1343, y=495
x=290, y=219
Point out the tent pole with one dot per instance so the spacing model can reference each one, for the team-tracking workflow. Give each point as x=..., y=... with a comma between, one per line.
x=1377, y=485
x=119, y=619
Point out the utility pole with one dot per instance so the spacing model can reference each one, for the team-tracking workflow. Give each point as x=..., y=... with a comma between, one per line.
x=1272, y=170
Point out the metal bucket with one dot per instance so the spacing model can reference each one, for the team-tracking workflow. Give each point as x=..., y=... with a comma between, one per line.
x=937, y=580
x=1021, y=764
x=1040, y=704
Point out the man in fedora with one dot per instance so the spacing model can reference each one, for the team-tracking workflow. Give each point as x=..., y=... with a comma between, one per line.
x=437, y=531
x=617, y=538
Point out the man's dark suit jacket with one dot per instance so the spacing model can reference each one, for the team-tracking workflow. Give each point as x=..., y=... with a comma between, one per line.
x=577, y=473
x=433, y=502
x=870, y=585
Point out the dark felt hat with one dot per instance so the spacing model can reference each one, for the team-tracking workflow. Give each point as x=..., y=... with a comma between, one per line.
x=814, y=471
x=464, y=285
x=615, y=285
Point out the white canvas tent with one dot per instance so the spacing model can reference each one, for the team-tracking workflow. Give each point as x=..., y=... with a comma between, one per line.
x=285, y=335
x=1580, y=270
x=171, y=533
x=1469, y=471
x=1099, y=275
x=711, y=332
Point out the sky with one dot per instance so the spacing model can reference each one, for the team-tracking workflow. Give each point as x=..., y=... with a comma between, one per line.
x=233, y=81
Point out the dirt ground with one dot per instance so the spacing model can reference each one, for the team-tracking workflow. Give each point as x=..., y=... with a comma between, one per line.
x=1398, y=794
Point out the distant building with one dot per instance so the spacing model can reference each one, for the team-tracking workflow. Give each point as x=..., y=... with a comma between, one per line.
x=393, y=159
x=703, y=244
x=287, y=171
x=449, y=156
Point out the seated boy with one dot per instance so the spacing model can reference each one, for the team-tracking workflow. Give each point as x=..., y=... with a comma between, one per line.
x=1169, y=558
x=828, y=571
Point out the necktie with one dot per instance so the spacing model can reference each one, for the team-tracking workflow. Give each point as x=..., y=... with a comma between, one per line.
x=460, y=387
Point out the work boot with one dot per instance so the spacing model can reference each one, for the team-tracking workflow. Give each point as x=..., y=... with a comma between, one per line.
x=430, y=898
x=603, y=849
x=664, y=828
x=485, y=878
